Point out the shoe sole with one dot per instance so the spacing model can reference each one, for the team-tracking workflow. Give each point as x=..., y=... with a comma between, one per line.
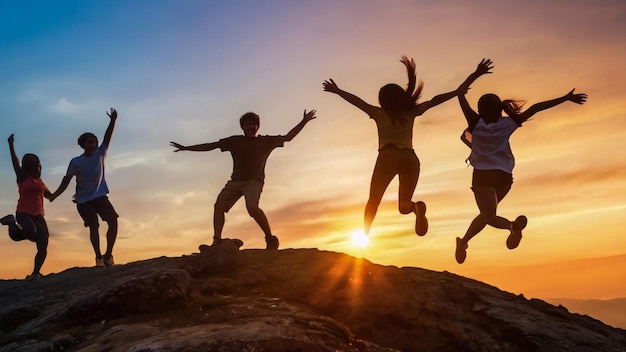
x=421, y=214
x=515, y=238
x=272, y=243
x=460, y=255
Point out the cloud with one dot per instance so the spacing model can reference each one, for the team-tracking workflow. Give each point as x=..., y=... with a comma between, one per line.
x=64, y=106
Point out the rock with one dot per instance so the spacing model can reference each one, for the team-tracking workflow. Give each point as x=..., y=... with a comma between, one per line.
x=224, y=299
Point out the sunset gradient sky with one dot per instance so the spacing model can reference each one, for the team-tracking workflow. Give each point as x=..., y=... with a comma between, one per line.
x=185, y=71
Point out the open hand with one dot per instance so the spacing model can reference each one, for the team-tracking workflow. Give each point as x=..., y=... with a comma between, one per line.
x=484, y=67
x=330, y=86
x=112, y=114
x=308, y=116
x=579, y=98
x=178, y=147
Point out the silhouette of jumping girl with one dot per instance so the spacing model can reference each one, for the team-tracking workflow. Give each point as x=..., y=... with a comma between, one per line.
x=488, y=136
x=394, y=120
x=28, y=222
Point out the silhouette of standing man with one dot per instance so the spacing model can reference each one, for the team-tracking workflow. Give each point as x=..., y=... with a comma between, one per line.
x=249, y=153
x=91, y=190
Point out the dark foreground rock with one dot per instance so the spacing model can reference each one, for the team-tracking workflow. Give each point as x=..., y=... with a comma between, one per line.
x=303, y=300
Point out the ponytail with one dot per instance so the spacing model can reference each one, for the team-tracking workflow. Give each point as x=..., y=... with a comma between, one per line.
x=512, y=107
x=411, y=90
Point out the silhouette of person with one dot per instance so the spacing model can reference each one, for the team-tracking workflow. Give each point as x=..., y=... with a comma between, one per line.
x=249, y=153
x=28, y=222
x=488, y=136
x=394, y=120
x=91, y=190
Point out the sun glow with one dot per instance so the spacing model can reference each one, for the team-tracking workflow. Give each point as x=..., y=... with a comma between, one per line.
x=360, y=239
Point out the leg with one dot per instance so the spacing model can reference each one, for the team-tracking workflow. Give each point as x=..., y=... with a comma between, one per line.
x=487, y=201
x=42, y=245
x=22, y=227
x=490, y=187
x=252, y=194
x=111, y=237
x=408, y=174
x=90, y=219
x=94, y=237
x=259, y=216
x=227, y=197
x=219, y=219
x=104, y=208
x=477, y=225
x=381, y=177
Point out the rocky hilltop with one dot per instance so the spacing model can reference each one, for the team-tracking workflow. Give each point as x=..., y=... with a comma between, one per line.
x=230, y=300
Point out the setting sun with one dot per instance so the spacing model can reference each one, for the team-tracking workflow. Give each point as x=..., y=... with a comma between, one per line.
x=360, y=239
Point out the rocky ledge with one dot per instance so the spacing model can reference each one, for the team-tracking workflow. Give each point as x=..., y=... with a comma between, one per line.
x=230, y=300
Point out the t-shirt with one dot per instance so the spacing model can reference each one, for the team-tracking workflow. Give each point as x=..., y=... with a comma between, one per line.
x=31, y=196
x=390, y=133
x=89, y=172
x=491, y=149
x=250, y=154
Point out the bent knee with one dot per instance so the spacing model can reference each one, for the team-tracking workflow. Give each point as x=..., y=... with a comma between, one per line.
x=489, y=218
x=406, y=208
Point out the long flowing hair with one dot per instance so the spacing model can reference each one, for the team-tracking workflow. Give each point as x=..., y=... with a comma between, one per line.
x=491, y=103
x=397, y=102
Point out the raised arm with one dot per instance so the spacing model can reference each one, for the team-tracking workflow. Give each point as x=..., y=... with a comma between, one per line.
x=205, y=147
x=579, y=98
x=14, y=158
x=307, y=116
x=471, y=116
x=484, y=67
x=109, y=132
x=331, y=86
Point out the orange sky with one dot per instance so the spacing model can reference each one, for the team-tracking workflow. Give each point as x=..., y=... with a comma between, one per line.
x=184, y=79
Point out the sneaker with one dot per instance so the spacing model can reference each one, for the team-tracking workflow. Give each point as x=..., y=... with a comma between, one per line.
x=108, y=260
x=272, y=242
x=461, y=251
x=8, y=220
x=99, y=262
x=33, y=277
x=421, y=223
x=516, y=232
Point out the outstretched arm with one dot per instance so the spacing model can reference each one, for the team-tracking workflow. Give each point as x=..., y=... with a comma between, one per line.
x=484, y=67
x=471, y=116
x=205, y=147
x=307, y=116
x=62, y=187
x=579, y=98
x=14, y=158
x=109, y=132
x=436, y=100
x=48, y=195
x=331, y=86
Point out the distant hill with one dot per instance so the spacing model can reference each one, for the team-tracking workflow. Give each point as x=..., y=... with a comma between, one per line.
x=611, y=311
x=306, y=300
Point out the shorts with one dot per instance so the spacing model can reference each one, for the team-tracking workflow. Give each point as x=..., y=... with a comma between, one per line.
x=34, y=228
x=90, y=210
x=233, y=190
x=499, y=180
